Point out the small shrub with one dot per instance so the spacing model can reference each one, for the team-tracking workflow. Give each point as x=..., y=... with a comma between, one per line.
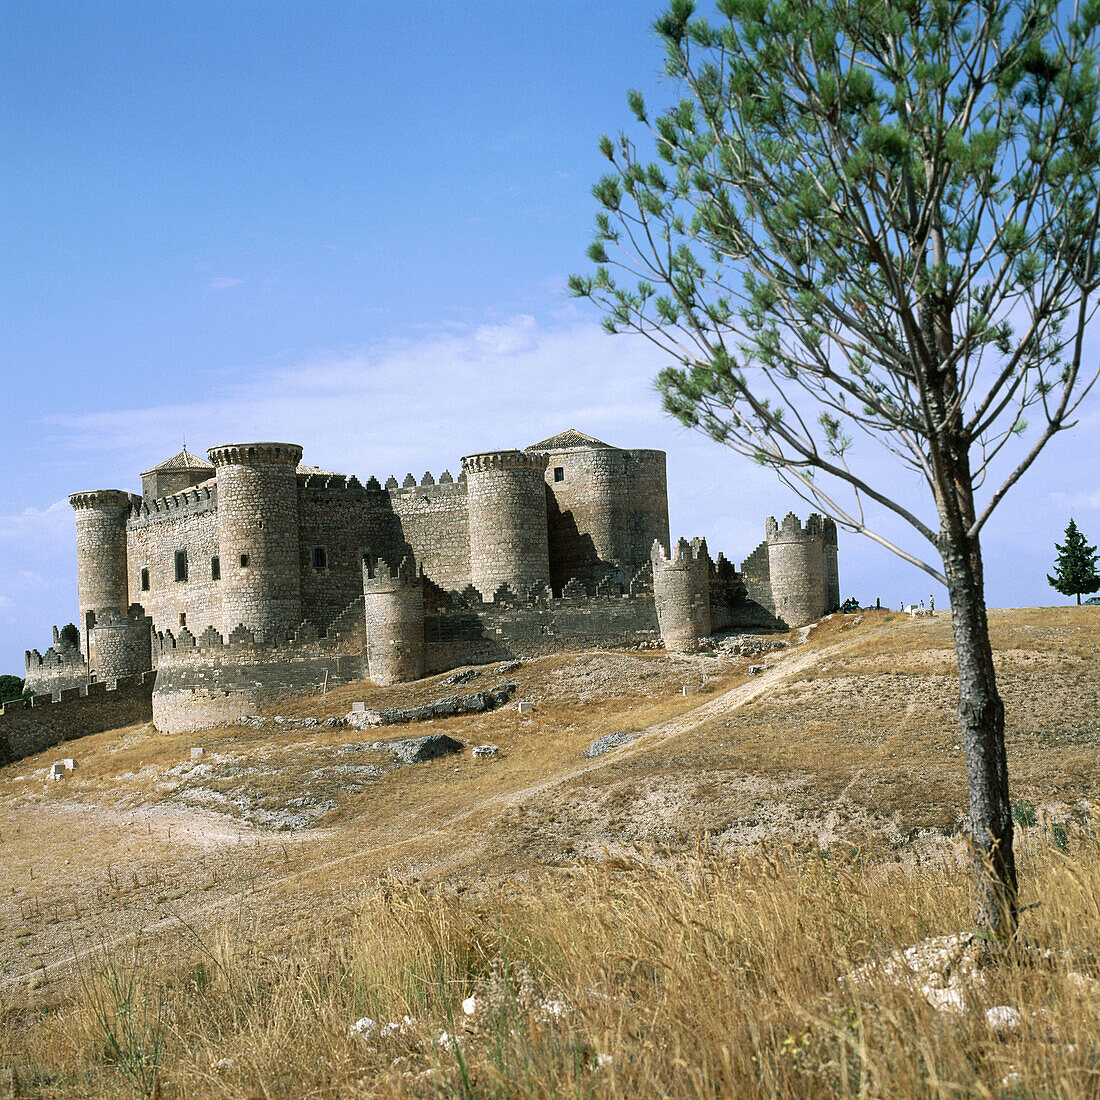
x=1024, y=813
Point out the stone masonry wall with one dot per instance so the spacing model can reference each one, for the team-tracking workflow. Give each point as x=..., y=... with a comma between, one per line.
x=74, y=713
x=491, y=632
x=155, y=532
x=434, y=523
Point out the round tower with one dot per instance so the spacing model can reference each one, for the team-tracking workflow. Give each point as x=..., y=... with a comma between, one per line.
x=796, y=566
x=606, y=507
x=101, y=550
x=681, y=593
x=506, y=501
x=258, y=536
x=394, y=609
x=121, y=645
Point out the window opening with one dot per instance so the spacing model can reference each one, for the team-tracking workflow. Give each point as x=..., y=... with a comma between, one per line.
x=244, y=561
x=145, y=580
x=320, y=558
x=559, y=473
x=181, y=565
x=215, y=568
x=183, y=618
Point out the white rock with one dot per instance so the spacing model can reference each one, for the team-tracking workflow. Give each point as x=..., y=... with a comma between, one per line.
x=446, y=1042
x=554, y=1009
x=469, y=1006
x=70, y=764
x=1081, y=983
x=950, y=999
x=364, y=1028
x=1003, y=1018
x=223, y=1065
x=604, y=1060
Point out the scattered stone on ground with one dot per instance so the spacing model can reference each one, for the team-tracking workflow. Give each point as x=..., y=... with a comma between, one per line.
x=476, y=703
x=463, y=676
x=415, y=750
x=747, y=645
x=508, y=666
x=608, y=742
x=486, y=750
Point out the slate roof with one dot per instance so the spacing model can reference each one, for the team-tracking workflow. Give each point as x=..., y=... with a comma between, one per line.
x=569, y=438
x=185, y=460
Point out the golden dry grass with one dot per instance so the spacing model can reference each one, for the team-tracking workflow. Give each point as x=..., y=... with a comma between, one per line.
x=691, y=900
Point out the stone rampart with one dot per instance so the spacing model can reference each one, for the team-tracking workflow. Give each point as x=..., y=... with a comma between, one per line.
x=796, y=564
x=471, y=631
x=211, y=680
x=28, y=727
x=393, y=600
x=681, y=591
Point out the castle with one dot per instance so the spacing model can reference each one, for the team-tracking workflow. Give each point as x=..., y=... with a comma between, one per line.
x=251, y=576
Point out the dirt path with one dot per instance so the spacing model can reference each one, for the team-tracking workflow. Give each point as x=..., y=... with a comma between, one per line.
x=202, y=829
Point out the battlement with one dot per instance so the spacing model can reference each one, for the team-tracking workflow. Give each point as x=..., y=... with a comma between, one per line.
x=243, y=647
x=200, y=498
x=256, y=454
x=103, y=498
x=505, y=460
x=428, y=488
x=817, y=529
x=684, y=554
x=380, y=575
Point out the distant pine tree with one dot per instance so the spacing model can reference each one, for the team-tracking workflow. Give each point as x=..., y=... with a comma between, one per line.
x=1075, y=570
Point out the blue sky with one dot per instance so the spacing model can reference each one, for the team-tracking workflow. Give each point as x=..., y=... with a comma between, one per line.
x=346, y=225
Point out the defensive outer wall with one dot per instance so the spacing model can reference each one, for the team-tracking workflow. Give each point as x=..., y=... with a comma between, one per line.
x=254, y=577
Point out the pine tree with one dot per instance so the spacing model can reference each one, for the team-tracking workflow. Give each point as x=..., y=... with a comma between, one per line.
x=872, y=230
x=1075, y=570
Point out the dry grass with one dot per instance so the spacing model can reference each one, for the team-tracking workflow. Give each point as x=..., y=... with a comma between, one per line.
x=687, y=977
x=828, y=794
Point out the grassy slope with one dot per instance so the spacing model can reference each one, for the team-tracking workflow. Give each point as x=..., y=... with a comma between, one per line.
x=586, y=882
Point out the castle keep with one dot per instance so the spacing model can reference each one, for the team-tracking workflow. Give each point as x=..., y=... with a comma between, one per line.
x=251, y=576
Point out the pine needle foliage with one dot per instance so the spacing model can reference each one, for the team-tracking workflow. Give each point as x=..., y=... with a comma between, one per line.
x=872, y=224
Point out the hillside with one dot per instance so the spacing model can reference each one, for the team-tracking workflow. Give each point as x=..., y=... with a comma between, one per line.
x=294, y=873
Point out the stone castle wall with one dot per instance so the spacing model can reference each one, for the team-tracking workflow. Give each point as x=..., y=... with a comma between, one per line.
x=155, y=532
x=46, y=721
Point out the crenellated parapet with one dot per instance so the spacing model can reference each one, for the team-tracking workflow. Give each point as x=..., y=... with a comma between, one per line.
x=504, y=460
x=681, y=592
x=255, y=454
x=196, y=500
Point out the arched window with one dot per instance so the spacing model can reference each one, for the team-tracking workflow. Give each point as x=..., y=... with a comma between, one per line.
x=320, y=558
x=181, y=565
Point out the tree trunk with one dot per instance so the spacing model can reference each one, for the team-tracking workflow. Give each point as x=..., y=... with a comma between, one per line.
x=982, y=717
x=1078, y=599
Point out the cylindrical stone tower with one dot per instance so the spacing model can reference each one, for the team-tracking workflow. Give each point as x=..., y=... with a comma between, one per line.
x=506, y=501
x=394, y=609
x=608, y=505
x=121, y=645
x=258, y=536
x=101, y=551
x=796, y=565
x=681, y=593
